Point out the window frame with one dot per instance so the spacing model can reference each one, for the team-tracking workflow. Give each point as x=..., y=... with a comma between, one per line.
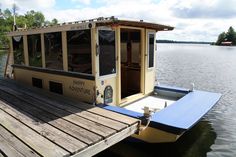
x=23, y=52
x=148, y=52
x=27, y=37
x=107, y=75
x=45, y=57
x=91, y=47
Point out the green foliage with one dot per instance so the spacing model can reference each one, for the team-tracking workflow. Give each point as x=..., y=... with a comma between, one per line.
x=31, y=19
x=229, y=36
x=34, y=19
x=221, y=38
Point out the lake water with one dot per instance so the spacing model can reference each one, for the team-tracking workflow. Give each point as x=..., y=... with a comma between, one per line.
x=210, y=68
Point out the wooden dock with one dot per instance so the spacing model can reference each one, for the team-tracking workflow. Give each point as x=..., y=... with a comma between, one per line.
x=37, y=123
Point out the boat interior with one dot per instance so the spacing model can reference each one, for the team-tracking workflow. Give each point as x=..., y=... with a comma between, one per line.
x=156, y=101
x=130, y=62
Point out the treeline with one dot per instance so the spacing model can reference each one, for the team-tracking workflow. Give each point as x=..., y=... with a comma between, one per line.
x=229, y=36
x=30, y=19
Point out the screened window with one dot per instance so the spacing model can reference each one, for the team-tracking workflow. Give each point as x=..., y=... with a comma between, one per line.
x=53, y=50
x=18, y=49
x=107, y=56
x=34, y=50
x=151, y=50
x=55, y=87
x=79, y=51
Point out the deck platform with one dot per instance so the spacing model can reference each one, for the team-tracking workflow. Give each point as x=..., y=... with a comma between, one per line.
x=37, y=123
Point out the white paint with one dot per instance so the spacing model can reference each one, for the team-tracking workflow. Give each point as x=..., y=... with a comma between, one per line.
x=154, y=103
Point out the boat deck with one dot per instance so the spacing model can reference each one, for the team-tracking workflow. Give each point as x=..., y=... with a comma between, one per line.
x=37, y=123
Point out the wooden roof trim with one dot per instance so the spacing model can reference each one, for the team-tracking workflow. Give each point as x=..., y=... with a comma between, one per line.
x=98, y=22
x=157, y=27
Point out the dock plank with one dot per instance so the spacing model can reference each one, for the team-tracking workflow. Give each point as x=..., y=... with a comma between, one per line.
x=51, y=97
x=90, y=125
x=60, y=138
x=8, y=149
x=72, y=109
x=98, y=147
x=82, y=113
x=86, y=130
x=10, y=144
x=39, y=144
x=82, y=134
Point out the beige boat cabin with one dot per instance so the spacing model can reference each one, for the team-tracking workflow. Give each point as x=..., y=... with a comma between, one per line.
x=103, y=60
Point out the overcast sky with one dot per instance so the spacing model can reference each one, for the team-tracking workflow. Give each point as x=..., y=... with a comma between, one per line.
x=194, y=20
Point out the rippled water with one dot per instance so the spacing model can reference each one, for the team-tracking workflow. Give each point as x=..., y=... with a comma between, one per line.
x=211, y=68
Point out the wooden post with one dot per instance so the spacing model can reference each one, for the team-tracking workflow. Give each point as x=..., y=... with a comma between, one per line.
x=143, y=56
x=118, y=64
x=64, y=50
x=43, y=51
x=26, y=54
x=93, y=49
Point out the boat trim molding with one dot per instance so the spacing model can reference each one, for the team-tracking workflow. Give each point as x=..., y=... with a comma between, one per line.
x=56, y=72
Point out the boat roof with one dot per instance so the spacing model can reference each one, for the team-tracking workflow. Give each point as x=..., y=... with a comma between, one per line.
x=85, y=24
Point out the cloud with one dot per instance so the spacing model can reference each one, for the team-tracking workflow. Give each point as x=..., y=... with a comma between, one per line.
x=193, y=19
x=26, y=5
x=204, y=9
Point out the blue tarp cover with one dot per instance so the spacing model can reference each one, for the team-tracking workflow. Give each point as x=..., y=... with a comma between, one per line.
x=188, y=110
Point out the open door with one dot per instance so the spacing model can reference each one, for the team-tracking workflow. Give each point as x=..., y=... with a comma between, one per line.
x=130, y=62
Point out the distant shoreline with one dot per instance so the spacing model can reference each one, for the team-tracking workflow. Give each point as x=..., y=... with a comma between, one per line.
x=183, y=42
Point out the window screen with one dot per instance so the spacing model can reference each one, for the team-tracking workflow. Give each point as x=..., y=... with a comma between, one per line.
x=53, y=50
x=79, y=51
x=55, y=87
x=18, y=49
x=107, y=56
x=151, y=50
x=34, y=50
x=36, y=82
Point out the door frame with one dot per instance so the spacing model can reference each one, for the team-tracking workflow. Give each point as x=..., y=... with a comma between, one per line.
x=124, y=101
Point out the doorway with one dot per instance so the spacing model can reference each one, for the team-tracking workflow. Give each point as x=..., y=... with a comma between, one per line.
x=130, y=62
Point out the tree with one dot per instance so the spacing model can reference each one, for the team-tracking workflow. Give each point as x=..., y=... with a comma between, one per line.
x=31, y=19
x=231, y=35
x=54, y=21
x=34, y=19
x=221, y=38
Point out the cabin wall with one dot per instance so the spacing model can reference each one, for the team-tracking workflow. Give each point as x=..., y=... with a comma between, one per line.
x=76, y=88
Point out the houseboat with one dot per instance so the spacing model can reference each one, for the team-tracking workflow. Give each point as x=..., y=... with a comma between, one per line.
x=111, y=63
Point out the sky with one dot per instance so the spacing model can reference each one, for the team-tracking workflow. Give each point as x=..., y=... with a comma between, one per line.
x=194, y=20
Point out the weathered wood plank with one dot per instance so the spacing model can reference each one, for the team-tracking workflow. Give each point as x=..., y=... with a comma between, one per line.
x=87, y=124
x=46, y=96
x=88, y=115
x=1, y=154
x=10, y=144
x=74, y=130
x=8, y=149
x=30, y=137
x=82, y=113
x=98, y=147
x=57, y=136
